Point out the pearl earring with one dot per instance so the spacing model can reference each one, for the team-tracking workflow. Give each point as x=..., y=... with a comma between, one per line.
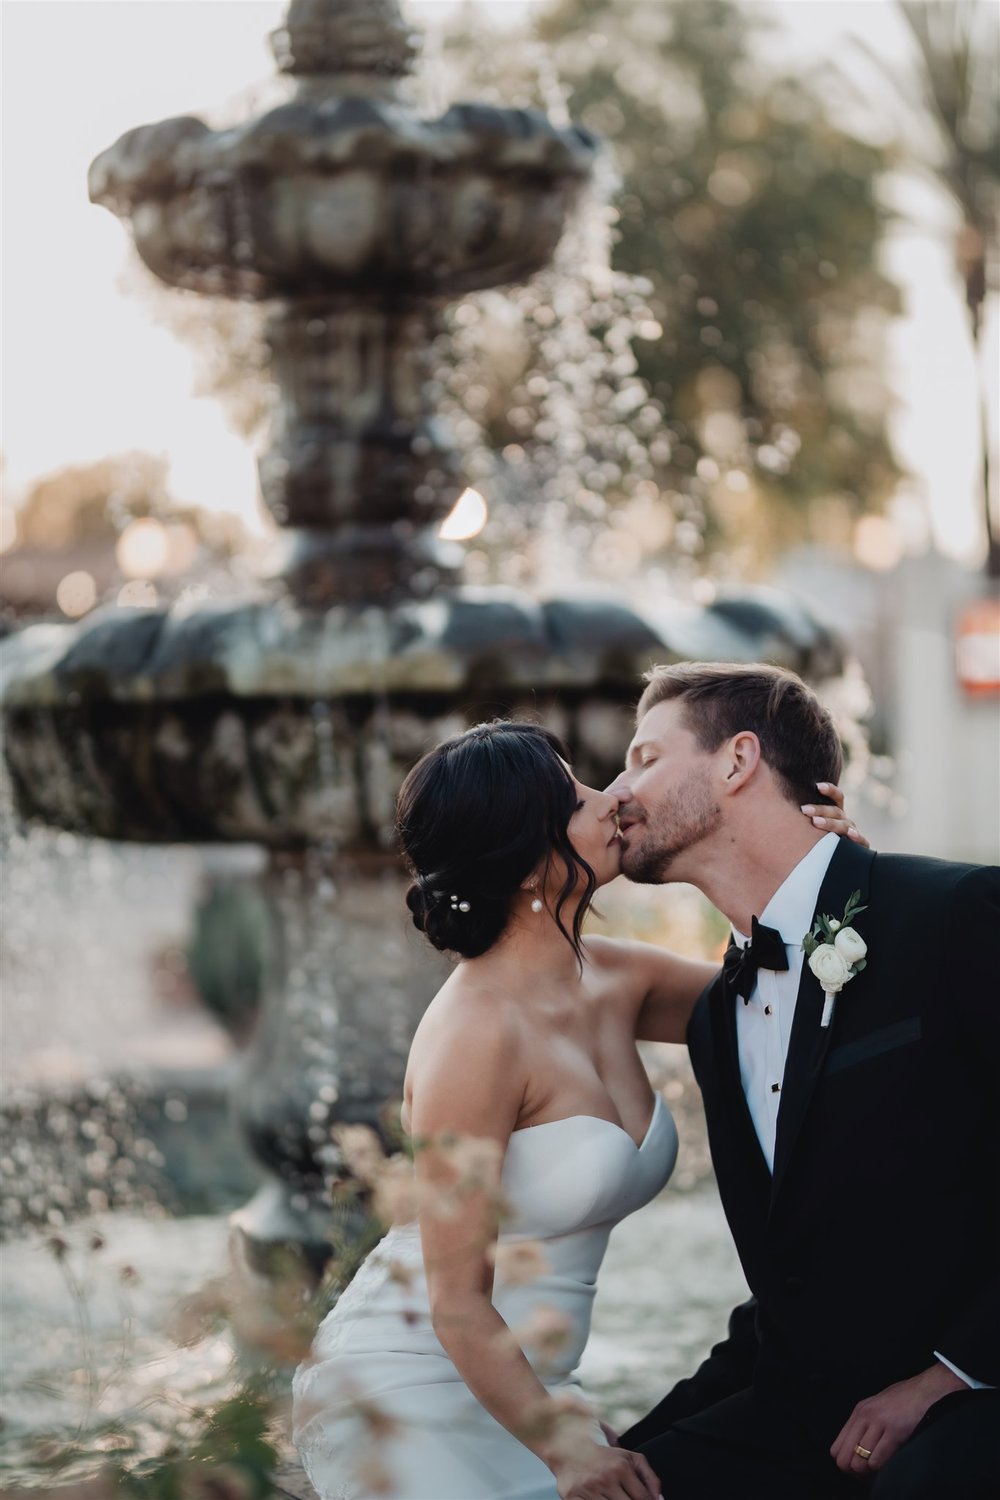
x=537, y=904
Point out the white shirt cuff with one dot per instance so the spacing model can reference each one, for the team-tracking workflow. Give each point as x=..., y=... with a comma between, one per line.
x=974, y=1385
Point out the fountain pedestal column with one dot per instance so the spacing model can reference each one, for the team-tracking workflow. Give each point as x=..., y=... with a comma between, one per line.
x=349, y=981
x=359, y=471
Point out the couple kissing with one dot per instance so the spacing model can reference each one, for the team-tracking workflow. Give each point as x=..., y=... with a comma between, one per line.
x=847, y=1058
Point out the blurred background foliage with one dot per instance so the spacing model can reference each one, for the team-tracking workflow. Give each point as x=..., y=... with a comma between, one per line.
x=755, y=222
x=698, y=382
x=97, y=532
x=701, y=381
x=954, y=97
x=229, y=952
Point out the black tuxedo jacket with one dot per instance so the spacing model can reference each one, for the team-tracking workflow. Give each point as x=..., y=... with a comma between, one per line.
x=877, y=1240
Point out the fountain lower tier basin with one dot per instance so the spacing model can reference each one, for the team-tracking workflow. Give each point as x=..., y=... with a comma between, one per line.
x=268, y=722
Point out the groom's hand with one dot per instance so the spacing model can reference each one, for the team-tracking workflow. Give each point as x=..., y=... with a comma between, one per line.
x=881, y=1424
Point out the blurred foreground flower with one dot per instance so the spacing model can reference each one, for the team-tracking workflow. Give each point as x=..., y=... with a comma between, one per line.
x=400, y=1274
x=361, y=1151
x=457, y=1167
x=396, y=1199
x=200, y=1314
x=374, y=1475
x=475, y=1160
x=519, y=1262
x=217, y=1482
x=563, y=1421
x=544, y=1334
x=378, y=1424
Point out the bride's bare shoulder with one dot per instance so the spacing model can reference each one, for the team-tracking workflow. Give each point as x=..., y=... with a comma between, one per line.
x=466, y=1001
x=467, y=1018
x=467, y=1063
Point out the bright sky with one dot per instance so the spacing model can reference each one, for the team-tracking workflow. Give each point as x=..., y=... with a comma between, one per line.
x=86, y=371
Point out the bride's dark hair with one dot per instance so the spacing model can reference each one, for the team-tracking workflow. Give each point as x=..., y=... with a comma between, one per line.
x=476, y=817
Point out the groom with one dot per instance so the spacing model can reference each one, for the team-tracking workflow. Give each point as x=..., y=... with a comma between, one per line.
x=858, y=1161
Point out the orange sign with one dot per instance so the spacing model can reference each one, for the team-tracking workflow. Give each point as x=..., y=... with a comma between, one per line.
x=977, y=647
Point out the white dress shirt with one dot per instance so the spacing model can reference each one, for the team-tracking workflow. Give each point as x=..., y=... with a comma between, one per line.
x=764, y=1023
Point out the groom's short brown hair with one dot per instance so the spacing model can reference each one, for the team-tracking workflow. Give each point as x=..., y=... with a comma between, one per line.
x=796, y=733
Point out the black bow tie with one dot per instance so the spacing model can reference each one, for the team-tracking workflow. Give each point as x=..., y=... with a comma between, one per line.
x=765, y=950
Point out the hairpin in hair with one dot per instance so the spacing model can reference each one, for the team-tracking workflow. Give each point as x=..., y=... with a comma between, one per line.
x=456, y=905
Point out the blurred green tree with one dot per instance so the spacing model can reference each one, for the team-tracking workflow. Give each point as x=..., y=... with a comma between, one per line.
x=95, y=502
x=718, y=392
x=73, y=524
x=756, y=220
x=87, y=502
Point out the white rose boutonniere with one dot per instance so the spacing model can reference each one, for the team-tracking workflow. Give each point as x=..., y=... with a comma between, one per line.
x=850, y=945
x=835, y=953
x=830, y=967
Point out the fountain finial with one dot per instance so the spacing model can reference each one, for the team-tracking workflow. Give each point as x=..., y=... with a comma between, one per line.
x=345, y=36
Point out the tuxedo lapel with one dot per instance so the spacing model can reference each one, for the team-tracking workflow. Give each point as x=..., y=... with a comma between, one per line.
x=849, y=871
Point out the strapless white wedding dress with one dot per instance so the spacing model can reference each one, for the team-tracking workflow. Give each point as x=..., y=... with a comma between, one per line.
x=380, y=1410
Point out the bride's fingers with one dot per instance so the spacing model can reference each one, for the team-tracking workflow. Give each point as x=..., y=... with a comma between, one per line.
x=644, y=1471
x=834, y=821
x=830, y=815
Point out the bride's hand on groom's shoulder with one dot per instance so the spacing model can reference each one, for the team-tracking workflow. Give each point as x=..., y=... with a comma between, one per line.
x=599, y=1473
x=830, y=815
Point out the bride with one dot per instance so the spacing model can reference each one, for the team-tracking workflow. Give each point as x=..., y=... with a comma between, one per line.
x=446, y=1370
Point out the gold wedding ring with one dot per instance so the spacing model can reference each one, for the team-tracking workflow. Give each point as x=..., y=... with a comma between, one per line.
x=864, y=1453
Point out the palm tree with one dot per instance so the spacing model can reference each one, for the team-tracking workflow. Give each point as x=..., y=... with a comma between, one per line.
x=958, y=42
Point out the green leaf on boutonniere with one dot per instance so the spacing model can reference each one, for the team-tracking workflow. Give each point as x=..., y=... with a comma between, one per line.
x=853, y=908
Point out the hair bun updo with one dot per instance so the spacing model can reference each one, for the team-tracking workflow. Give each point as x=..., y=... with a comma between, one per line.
x=476, y=818
x=443, y=922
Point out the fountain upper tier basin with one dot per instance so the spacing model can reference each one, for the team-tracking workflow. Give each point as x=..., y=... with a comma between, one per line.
x=270, y=722
x=340, y=192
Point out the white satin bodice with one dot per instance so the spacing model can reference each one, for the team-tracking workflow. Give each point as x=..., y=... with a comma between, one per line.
x=569, y=1182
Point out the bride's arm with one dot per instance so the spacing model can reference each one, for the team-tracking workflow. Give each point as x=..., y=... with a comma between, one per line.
x=467, y=1087
x=663, y=986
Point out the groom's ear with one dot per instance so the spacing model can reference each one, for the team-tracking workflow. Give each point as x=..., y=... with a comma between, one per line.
x=740, y=760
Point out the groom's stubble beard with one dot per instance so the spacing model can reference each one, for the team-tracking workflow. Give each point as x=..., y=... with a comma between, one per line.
x=676, y=824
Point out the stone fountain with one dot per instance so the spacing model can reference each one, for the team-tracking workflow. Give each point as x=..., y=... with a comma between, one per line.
x=290, y=718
